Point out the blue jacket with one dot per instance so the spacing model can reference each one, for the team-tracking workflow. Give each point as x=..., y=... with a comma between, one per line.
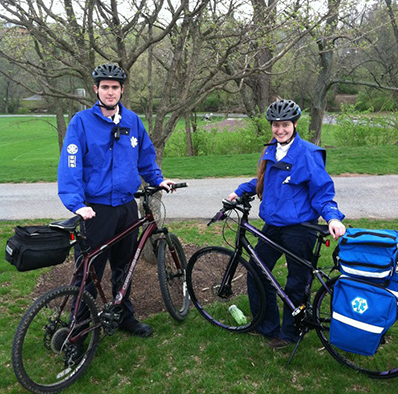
x=297, y=189
x=95, y=167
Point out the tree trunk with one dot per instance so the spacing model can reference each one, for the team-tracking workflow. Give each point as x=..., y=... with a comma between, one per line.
x=149, y=113
x=256, y=90
x=6, y=98
x=189, y=134
x=392, y=19
x=61, y=125
x=158, y=213
x=319, y=99
x=323, y=82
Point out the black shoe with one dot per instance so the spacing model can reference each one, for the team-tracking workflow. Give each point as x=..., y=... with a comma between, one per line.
x=278, y=343
x=136, y=328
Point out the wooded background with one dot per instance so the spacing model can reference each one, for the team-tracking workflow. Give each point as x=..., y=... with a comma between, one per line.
x=185, y=56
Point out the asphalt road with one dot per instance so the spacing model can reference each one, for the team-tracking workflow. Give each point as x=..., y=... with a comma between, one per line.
x=358, y=197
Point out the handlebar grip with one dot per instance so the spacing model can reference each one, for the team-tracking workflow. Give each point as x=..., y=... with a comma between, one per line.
x=179, y=185
x=220, y=215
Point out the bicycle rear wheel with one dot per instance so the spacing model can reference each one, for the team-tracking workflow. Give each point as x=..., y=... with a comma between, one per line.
x=206, y=271
x=172, y=280
x=43, y=359
x=382, y=365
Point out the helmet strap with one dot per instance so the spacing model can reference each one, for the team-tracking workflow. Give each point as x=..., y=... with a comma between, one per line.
x=290, y=139
x=108, y=107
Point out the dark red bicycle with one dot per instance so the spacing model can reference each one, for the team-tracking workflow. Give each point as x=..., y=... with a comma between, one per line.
x=43, y=352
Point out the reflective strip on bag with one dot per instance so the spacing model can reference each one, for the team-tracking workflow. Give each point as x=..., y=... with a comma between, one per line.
x=357, y=324
x=365, y=274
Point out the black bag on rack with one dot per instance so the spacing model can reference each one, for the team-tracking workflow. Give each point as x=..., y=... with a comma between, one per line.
x=34, y=247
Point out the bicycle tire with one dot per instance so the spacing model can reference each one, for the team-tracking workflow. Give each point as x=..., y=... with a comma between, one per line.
x=172, y=281
x=382, y=365
x=40, y=349
x=205, y=271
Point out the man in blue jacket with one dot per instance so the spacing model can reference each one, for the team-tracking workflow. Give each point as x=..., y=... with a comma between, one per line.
x=294, y=187
x=105, y=153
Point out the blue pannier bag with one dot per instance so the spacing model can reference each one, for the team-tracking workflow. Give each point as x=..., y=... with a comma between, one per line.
x=362, y=313
x=368, y=254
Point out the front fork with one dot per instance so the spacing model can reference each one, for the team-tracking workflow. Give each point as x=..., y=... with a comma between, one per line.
x=174, y=254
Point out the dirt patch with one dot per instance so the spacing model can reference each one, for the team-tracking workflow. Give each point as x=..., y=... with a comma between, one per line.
x=346, y=99
x=145, y=294
x=227, y=124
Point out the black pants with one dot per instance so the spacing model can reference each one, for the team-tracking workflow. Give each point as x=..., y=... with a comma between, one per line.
x=108, y=222
x=301, y=242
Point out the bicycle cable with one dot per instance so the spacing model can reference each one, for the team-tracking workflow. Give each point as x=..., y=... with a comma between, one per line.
x=227, y=226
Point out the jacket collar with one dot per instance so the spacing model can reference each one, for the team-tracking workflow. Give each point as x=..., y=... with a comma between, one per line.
x=97, y=111
x=291, y=155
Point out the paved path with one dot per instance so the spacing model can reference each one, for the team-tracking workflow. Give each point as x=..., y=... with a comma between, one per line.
x=358, y=197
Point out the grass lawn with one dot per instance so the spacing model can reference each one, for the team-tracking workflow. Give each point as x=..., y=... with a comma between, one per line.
x=192, y=356
x=29, y=153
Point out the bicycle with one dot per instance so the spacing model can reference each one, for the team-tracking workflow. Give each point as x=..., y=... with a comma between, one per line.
x=44, y=351
x=216, y=279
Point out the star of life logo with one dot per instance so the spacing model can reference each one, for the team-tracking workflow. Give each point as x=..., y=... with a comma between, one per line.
x=359, y=305
x=134, y=142
x=72, y=149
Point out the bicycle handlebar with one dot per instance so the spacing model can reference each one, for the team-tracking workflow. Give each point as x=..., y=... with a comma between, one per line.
x=178, y=185
x=150, y=190
x=241, y=203
x=220, y=215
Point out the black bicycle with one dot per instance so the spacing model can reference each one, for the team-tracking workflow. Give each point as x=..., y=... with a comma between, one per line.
x=216, y=280
x=45, y=355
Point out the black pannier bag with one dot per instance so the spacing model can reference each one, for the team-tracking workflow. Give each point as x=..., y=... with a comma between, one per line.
x=34, y=247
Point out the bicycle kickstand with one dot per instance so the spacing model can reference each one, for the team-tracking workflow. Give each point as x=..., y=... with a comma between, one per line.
x=303, y=332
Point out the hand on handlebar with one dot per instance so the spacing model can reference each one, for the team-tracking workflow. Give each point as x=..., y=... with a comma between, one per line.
x=170, y=186
x=233, y=196
x=167, y=185
x=86, y=213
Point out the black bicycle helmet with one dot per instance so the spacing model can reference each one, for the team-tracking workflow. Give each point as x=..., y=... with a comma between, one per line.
x=109, y=71
x=283, y=110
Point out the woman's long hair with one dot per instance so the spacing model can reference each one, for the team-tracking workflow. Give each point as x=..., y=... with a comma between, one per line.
x=261, y=171
x=260, y=175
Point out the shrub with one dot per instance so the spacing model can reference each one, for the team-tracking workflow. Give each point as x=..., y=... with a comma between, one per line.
x=23, y=111
x=249, y=138
x=217, y=141
x=355, y=128
x=379, y=101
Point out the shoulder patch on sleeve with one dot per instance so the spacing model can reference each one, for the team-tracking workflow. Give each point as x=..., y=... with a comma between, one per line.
x=72, y=149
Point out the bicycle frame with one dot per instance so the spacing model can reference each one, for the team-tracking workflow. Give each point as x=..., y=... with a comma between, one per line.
x=241, y=242
x=88, y=258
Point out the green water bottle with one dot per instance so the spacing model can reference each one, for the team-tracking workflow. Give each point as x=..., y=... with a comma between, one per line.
x=238, y=315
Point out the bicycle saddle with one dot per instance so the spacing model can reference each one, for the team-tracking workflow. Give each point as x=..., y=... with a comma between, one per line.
x=322, y=229
x=68, y=224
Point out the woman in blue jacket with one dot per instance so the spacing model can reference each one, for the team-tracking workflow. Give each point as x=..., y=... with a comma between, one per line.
x=294, y=187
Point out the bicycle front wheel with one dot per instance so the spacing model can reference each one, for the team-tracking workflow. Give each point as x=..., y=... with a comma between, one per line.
x=43, y=359
x=382, y=365
x=216, y=281
x=172, y=278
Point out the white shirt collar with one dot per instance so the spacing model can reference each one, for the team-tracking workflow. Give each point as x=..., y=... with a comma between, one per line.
x=116, y=117
x=281, y=150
